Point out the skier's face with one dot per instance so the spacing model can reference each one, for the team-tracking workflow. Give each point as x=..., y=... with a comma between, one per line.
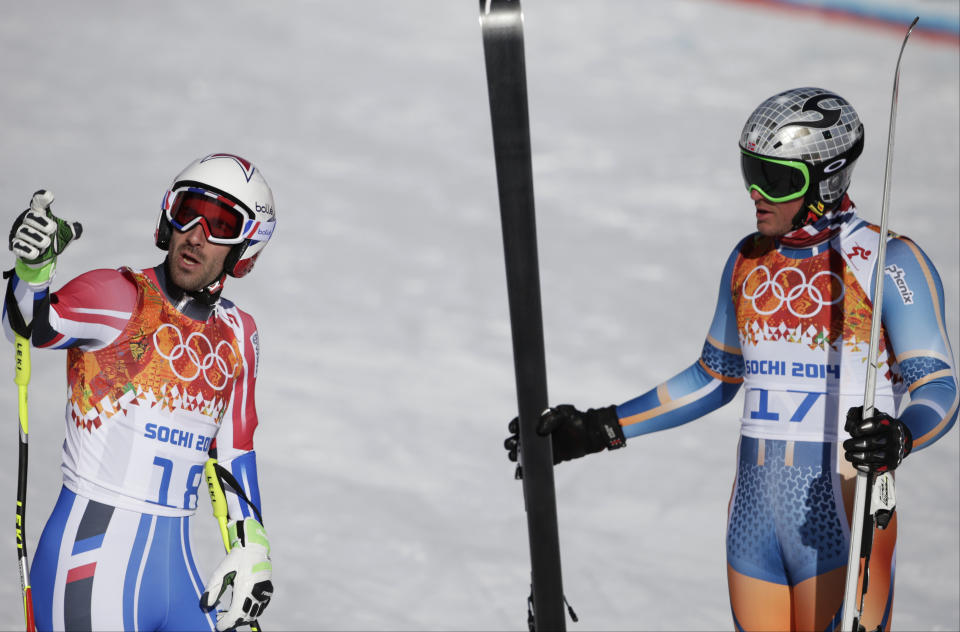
x=195, y=263
x=774, y=219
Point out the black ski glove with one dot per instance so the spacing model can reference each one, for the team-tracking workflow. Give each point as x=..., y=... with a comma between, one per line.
x=878, y=443
x=573, y=433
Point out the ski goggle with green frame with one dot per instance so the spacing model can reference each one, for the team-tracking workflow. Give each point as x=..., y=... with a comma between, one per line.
x=782, y=180
x=775, y=179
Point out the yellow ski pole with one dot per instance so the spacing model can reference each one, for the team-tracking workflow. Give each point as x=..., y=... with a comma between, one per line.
x=217, y=499
x=219, y=502
x=22, y=379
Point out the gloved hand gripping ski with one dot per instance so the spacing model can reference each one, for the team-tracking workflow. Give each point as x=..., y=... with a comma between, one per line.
x=247, y=568
x=574, y=433
x=878, y=444
x=38, y=237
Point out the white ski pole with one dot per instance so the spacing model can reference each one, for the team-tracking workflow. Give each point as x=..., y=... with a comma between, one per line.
x=859, y=549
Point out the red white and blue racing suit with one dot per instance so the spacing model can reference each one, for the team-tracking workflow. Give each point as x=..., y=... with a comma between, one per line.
x=153, y=386
x=792, y=326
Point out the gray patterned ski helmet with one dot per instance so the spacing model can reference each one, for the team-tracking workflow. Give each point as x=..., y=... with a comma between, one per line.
x=814, y=126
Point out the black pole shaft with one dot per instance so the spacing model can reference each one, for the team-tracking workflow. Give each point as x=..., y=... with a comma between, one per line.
x=22, y=499
x=507, y=85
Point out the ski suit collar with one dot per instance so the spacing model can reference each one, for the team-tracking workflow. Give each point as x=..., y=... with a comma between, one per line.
x=823, y=229
x=187, y=303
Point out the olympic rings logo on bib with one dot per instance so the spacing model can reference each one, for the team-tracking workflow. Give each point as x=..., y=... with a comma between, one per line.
x=805, y=291
x=213, y=358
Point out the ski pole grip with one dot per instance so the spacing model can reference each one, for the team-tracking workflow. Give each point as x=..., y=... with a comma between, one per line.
x=22, y=377
x=22, y=347
x=217, y=499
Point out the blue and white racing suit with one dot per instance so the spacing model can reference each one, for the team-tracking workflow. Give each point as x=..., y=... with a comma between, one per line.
x=792, y=326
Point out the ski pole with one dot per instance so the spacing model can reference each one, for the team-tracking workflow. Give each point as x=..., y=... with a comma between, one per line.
x=219, y=502
x=217, y=499
x=860, y=545
x=22, y=379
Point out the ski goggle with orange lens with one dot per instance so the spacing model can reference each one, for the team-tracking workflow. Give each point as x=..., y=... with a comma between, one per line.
x=223, y=220
x=775, y=179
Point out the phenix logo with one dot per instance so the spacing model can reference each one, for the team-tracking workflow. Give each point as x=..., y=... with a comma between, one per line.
x=899, y=277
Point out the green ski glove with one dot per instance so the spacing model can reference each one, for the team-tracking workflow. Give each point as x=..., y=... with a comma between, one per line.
x=247, y=568
x=38, y=237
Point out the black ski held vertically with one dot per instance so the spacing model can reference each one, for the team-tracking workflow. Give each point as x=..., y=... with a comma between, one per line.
x=502, y=26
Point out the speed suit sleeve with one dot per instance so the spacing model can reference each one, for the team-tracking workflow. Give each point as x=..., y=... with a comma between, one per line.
x=914, y=321
x=233, y=447
x=88, y=312
x=704, y=386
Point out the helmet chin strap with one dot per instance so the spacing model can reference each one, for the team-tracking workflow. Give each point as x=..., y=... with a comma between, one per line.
x=211, y=293
x=207, y=295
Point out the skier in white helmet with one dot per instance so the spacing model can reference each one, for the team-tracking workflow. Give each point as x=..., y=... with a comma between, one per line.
x=792, y=326
x=161, y=373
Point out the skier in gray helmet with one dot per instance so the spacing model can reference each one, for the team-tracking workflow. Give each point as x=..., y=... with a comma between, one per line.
x=792, y=328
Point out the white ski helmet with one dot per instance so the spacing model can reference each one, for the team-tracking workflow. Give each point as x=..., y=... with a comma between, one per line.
x=804, y=139
x=230, y=185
